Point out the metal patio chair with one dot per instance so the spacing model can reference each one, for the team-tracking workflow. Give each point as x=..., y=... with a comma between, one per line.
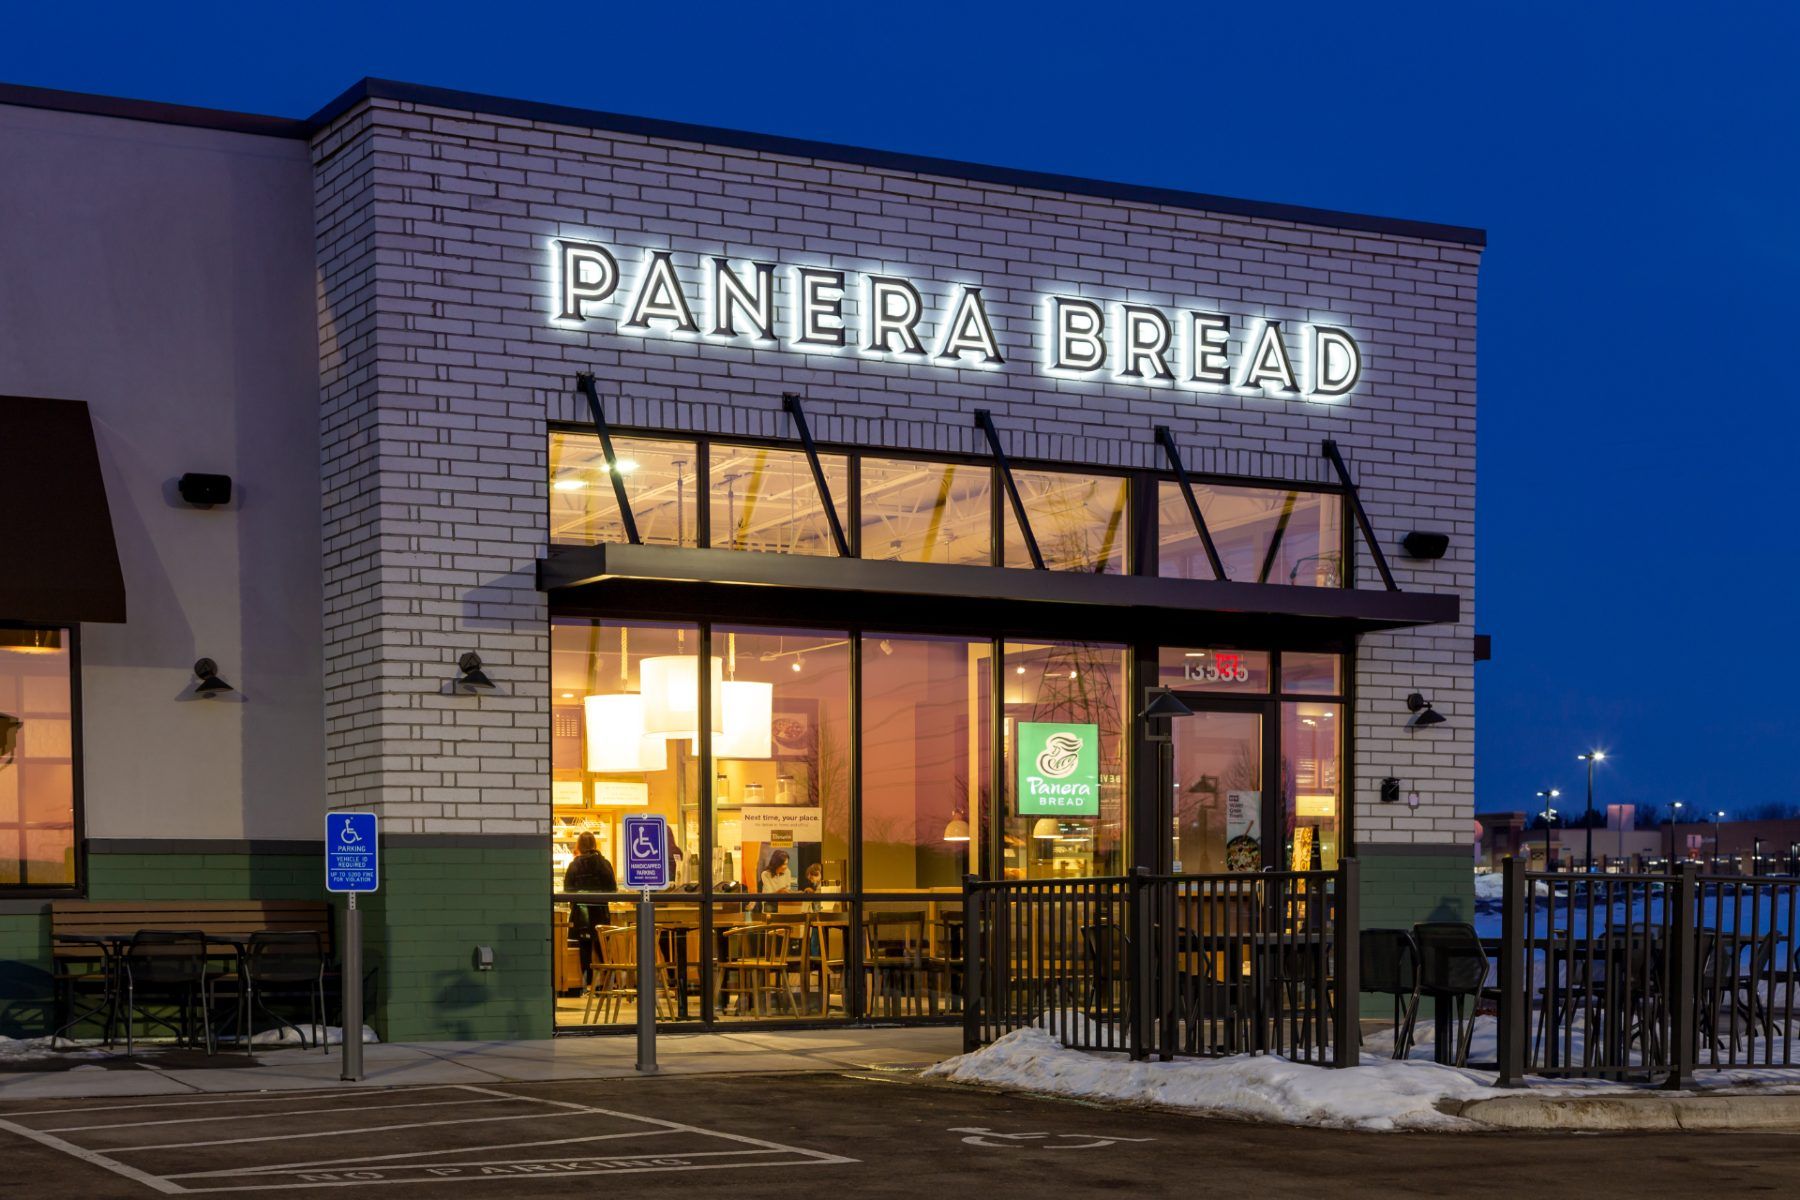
x=1453, y=967
x=276, y=963
x=1390, y=967
x=168, y=965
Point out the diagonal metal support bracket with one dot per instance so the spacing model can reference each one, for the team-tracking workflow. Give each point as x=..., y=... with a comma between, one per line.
x=584, y=383
x=1330, y=450
x=1167, y=440
x=985, y=421
x=791, y=402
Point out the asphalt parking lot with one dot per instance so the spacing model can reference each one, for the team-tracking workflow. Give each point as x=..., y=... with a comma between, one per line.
x=856, y=1133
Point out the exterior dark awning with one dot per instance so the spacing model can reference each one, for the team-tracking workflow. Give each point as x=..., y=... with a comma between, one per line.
x=61, y=563
x=678, y=582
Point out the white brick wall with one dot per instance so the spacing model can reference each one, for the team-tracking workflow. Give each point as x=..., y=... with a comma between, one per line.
x=441, y=368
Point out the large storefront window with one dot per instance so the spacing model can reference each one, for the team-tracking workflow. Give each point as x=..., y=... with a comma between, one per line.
x=926, y=759
x=1312, y=783
x=1064, y=706
x=1263, y=535
x=935, y=512
x=1078, y=521
x=765, y=499
x=662, y=481
x=37, y=759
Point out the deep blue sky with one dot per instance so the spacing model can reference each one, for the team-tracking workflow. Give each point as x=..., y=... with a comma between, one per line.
x=1632, y=163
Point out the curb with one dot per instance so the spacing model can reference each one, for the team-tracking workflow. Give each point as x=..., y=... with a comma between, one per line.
x=1622, y=1113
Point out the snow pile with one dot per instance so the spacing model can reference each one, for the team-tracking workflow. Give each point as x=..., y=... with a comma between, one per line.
x=1381, y=1094
x=1490, y=887
x=14, y=1050
x=285, y=1035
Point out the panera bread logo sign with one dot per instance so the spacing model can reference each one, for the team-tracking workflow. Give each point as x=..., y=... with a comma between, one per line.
x=1059, y=769
x=819, y=310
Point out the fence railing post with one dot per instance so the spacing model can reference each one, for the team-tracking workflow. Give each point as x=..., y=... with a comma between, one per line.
x=1515, y=987
x=974, y=972
x=1140, y=991
x=1680, y=910
x=1347, y=947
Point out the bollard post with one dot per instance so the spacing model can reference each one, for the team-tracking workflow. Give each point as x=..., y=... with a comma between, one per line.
x=1515, y=986
x=646, y=985
x=351, y=988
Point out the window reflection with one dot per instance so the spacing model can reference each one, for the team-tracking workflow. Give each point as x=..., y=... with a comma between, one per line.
x=37, y=759
x=935, y=512
x=1263, y=535
x=1311, y=674
x=764, y=499
x=1218, y=765
x=1065, y=766
x=925, y=759
x=1187, y=670
x=1312, y=795
x=1078, y=521
x=661, y=481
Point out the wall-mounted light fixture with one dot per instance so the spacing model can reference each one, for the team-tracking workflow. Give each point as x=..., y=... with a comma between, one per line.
x=1423, y=713
x=210, y=685
x=473, y=678
x=1390, y=790
x=1162, y=706
x=1419, y=544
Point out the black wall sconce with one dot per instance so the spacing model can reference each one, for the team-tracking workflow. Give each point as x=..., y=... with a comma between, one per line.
x=204, y=491
x=1390, y=790
x=210, y=685
x=1423, y=713
x=1162, y=707
x=1419, y=544
x=473, y=679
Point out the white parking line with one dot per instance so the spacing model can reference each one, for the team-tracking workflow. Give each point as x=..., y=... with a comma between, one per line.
x=291, y=1112
x=682, y=1147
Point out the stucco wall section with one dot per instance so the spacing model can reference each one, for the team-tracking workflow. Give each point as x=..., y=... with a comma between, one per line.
x=452, y=278
x=164, y=275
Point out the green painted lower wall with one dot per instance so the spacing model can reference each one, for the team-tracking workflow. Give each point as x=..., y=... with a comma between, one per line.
x=436, y=905
x=1399, y=890
x=420, y=932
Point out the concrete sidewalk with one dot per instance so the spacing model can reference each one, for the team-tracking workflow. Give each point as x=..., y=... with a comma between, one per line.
x=571, y=1058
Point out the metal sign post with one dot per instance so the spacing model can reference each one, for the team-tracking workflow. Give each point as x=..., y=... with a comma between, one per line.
x=646, y=871
x=352, y=866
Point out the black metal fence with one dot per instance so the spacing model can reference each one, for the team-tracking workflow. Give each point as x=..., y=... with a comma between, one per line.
x=1169, y=964
x=1645, y=977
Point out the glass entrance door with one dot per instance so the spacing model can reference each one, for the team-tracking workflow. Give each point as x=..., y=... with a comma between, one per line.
x=1218, y=792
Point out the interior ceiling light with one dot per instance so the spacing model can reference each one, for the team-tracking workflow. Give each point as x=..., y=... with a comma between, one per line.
x=957, y=830
x=616, y=741
x=31, y=641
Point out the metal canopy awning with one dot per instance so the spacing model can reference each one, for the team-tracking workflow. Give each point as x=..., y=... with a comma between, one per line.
x=681, y=582
x=61, y=561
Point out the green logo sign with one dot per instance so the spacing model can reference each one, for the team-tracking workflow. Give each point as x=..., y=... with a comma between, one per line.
x=1059, y=769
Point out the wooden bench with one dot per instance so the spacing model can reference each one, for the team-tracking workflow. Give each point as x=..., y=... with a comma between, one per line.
x=220, y=918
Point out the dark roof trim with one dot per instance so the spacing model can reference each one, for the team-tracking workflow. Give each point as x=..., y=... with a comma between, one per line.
x=581, y=118
x=153, y=111
x=62, y=564
x=924, y=587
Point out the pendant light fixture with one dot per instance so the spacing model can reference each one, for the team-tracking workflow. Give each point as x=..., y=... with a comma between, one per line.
x=616, y=741
x=670, y=686
x=749, y=713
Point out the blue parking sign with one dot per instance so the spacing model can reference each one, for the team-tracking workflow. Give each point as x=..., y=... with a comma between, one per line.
x=352, y=863
x=646, y=853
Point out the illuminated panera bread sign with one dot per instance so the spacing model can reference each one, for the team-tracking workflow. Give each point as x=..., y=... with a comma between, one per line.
x=821, y=310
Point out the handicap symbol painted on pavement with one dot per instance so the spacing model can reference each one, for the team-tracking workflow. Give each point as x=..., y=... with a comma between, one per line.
x=994, y=1140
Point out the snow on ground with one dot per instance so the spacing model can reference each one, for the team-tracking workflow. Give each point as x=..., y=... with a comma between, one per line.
x=15, y=1050
x=1379, y=1095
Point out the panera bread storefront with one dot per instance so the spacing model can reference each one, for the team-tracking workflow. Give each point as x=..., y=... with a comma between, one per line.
x=846, y=509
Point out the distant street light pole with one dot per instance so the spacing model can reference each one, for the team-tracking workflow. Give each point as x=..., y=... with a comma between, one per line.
x=1756, y=856
x=1717, y=817
x=1547, y=795
x=1590, y=758
x=1674, y=816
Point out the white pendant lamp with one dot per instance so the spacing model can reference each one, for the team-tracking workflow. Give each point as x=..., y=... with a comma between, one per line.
x=615, y=735
x=1047, y=828
x=671, y=689
x=957, y=830
x=749, y=710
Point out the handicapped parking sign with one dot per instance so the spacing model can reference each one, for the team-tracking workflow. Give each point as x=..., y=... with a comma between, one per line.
x=646, y=853
x=352, y=863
